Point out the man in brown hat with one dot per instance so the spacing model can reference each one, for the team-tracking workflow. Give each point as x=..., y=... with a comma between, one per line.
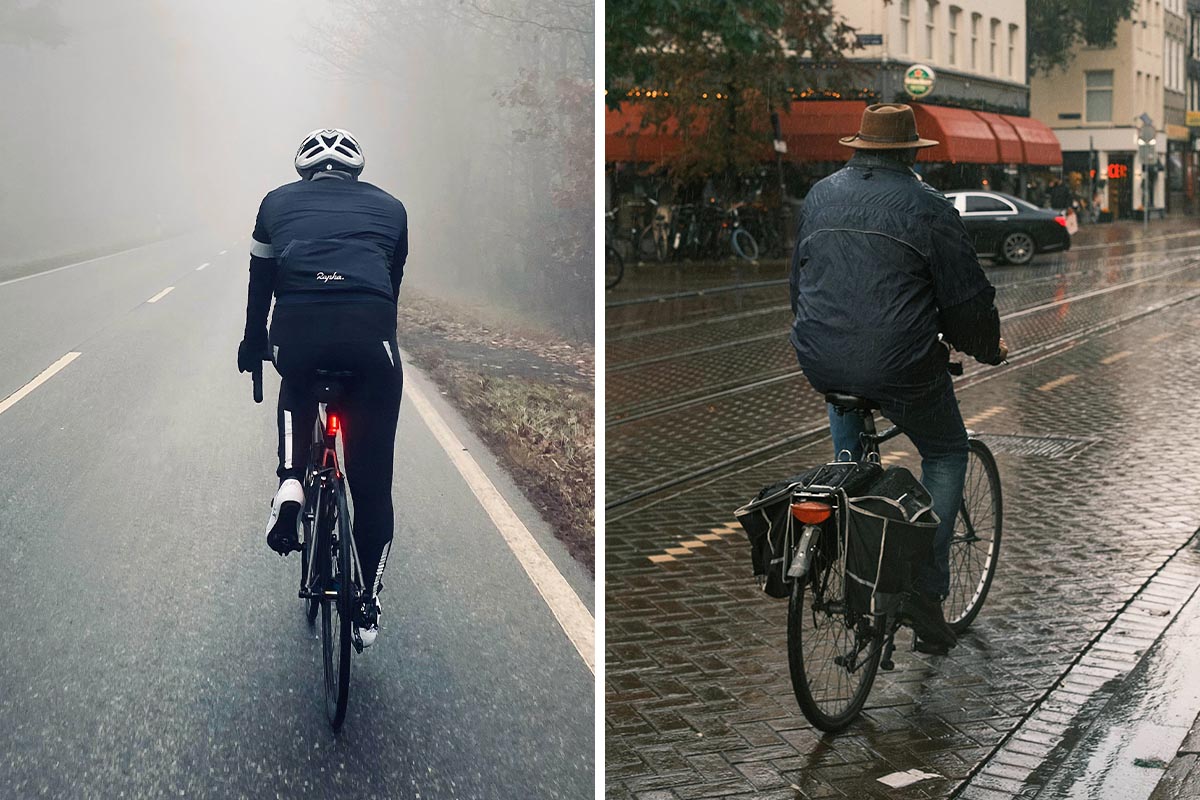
x=882, y=266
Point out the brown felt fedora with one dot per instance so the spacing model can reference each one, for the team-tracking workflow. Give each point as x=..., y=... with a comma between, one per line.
x=887, y=126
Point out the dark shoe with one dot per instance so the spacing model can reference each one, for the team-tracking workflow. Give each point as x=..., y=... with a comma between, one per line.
x=285, y=512
x=925, y=615
x=922, y=646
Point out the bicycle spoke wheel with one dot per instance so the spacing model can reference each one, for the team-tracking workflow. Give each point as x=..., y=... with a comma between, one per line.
x=311, y=605
x=614, y=267
x=832, y=660
x=975, y=548
x=336, y=619
x=744, y=245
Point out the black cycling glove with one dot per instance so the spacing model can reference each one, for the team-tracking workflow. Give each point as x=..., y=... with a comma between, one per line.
x=251, y=353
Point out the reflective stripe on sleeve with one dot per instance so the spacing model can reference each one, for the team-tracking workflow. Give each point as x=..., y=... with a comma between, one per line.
x=260, y=250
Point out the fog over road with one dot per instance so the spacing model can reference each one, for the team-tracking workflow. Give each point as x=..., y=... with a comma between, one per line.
x=153, y=646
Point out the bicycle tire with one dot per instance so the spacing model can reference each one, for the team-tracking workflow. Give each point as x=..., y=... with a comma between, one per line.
x=337, y=617
x=312, y=606
x=744, y=244
x=614, y=267
x=975, y=546
x=830, y=695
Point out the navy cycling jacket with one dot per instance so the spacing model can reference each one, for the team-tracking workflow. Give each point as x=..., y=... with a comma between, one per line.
x=882, y=265
x=326, y=240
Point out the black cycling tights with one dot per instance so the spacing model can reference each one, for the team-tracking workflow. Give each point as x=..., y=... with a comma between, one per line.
x=370, y=409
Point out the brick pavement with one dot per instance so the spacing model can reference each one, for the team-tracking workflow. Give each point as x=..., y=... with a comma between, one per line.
x=695, y=431
x=699, y=702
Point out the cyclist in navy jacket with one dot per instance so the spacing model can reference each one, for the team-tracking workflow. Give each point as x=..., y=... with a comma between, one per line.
x=331, y=250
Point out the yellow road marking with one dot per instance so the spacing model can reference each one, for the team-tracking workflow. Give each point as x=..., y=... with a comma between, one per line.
x=1162, y=336
x=1054, y=384
x=677, y=551
x=661, y=559
x=692, y=544
x=1115, y=357
x=709, y=537
x=983, y=415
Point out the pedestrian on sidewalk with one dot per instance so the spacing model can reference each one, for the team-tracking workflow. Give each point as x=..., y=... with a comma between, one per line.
x=882, y=265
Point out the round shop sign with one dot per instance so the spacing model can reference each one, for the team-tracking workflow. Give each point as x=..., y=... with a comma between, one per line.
x=918, y=80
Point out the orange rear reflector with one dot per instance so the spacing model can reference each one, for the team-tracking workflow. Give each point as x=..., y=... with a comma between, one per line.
x=811, y=513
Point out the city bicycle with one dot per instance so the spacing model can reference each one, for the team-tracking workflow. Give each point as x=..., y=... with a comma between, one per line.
x=330, y=578
x=834, y=650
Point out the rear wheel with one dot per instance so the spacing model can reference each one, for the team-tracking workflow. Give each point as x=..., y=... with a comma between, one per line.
x=832, y=655
x=744, y=244
x=1017, y=248
x=614, y=267
x=337, y=616
x=975, y=546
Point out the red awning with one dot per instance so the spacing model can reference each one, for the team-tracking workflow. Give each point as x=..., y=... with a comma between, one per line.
x=1006, y=138
x=626, y=140
x=812, y=129
x=1038, y=142
x=963, y=137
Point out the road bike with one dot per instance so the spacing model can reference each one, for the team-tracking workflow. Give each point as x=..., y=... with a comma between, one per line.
x=834, y=650
x=330, y=577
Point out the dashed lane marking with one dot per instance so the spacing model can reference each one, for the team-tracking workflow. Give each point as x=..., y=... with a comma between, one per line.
x=223, y=252
x=160, y=295
x=1054, y=384
x=983, y=415
x=202, y=266
x=1161, y=337
x=1115, y=357
x=45, y=375
x=685, y=546
x=570, y=612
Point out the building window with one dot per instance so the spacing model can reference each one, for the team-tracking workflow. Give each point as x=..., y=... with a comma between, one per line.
x=1012, y=51
x=1099, y=95
x=975, y=20
x=930, y=10
x=952, y=52
x=993, y=65
x=904, y=19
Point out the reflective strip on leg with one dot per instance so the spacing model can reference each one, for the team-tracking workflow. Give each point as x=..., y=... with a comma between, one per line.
x=287, y=439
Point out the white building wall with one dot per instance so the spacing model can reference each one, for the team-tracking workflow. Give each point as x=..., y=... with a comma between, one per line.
x=878, y=17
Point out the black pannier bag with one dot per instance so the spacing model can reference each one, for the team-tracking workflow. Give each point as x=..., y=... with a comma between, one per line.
x=770, y=527
x=889, y=530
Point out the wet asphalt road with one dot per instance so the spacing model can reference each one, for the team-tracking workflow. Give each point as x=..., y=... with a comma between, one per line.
x=1100, y=556
x=153, y=647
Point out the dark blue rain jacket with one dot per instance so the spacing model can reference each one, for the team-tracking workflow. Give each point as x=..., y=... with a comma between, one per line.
x=332, y=252
x=880, y=258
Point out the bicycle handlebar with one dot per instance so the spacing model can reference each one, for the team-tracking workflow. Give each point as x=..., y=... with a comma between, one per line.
x=257, y=376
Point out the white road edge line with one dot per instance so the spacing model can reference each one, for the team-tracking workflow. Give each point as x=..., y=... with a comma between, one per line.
x=202, y=266
x=160, y=295
x=572, y=615
x=223, y=252
x=45, y=375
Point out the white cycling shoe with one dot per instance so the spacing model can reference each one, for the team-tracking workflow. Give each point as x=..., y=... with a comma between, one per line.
x=282, y=535
x=366, y=626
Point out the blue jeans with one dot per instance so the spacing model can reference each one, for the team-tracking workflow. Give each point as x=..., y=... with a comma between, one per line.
x=935, y=427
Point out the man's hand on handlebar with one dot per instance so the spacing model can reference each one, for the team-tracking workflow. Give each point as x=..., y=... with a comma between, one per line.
x=1003, y=356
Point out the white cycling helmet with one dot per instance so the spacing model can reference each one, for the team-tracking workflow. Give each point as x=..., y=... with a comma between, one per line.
x=329, y=148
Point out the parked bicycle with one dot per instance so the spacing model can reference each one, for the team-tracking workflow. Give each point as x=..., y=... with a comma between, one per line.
x=835, y=646
x=614, y=264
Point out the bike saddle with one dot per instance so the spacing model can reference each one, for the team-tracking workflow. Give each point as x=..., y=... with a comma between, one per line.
x=330, y=385
x=850, y=402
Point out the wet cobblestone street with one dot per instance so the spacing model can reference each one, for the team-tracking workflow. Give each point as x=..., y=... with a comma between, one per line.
x=705, y=405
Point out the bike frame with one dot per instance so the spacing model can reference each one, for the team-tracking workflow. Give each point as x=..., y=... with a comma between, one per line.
x=323, y=483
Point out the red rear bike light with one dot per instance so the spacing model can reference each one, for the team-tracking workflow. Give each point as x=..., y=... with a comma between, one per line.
x=1061, y=220
x=811, y=513
x=332, y=425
